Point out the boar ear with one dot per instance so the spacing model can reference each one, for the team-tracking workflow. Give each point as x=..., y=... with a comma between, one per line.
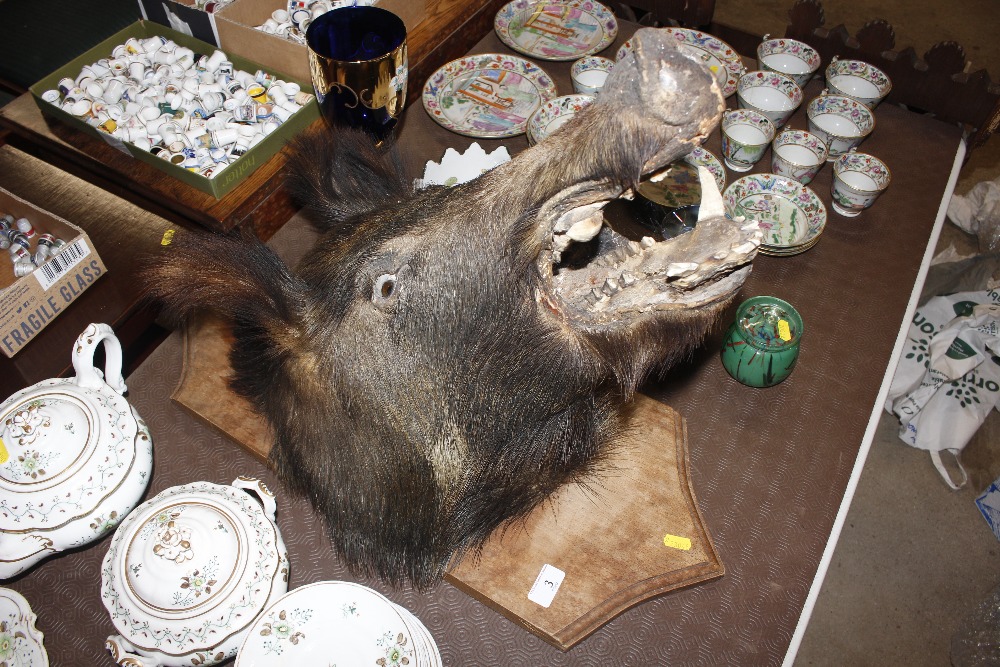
x=337, y=176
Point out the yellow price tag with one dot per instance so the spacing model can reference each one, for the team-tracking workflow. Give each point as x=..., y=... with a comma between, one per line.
x=675, y=542
x=784, y=333
x=3, y=453
x=168, y=236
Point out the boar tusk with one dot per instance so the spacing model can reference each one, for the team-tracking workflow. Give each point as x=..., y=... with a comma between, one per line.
x=711, y=199
x=585, y=230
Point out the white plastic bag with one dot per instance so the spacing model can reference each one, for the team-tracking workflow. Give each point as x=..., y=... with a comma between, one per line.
x=949, y=377
x=978, y=213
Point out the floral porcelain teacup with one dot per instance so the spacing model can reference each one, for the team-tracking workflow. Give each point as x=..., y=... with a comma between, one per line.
x=858, y=180
x=746, y=135
x=791, y=57
x=841, y=122
x=771, y=94
x=798, y=154
x=590, y=73
x=858, y=80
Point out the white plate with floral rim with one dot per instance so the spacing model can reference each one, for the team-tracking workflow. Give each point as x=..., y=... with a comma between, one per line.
x=790, y=214
x=331, y=622
x=721, y=59
x=490, y=95
x=556, y=29
x=20, y=641
x=554, y=114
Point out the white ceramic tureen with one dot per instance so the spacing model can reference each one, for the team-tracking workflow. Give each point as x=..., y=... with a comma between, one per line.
x=75, y=458
x=190, y=570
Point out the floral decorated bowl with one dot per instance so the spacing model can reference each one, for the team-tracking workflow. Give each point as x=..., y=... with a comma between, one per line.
x=798, y=154
x=859, y=80
x=790, y=57
x=190, y=570
x=841, y=122
x=75, y=458
x=554, y=114
x=790, y=214
x=770, y=94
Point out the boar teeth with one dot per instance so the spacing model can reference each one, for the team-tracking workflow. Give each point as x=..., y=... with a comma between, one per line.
x=681, y=269
x=610, y=287
x=627, y=279
x=647, y=242
x=634, y=247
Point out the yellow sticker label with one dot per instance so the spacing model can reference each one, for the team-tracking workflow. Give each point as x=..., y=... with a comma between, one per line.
x=675, y=542
x=784, y=333
x=168, y=236
x=3, y=452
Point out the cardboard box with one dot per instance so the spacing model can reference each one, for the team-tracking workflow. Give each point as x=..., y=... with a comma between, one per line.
x=236, y=25
x=182, y=16
x=29, y=303
x=237, y=171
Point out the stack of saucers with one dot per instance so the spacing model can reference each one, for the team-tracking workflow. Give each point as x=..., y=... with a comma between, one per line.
x=337, y=622
x=790, y=214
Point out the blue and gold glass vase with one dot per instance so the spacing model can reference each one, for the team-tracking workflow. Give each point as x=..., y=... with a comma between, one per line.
x=358, y=67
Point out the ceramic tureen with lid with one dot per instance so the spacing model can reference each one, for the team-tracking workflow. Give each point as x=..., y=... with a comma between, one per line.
x=190, y=570
x=75, y=458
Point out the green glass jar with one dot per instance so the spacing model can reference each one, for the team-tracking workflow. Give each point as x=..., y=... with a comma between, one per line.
x=762, y=345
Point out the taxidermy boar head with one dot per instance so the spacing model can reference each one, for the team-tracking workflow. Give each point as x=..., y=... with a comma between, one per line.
x=443, y=360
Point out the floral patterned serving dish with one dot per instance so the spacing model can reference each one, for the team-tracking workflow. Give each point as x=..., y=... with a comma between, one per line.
x=337, y=623
x=20, y=641
x=189, y=571
x=556, y=29
x=75, y=458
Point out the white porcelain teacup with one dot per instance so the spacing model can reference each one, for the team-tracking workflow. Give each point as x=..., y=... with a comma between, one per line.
x=858, y=80
x=746, y=135
x=589, y=74
x=798, y=154
x=858, y=180
x=841, y=122
x=771, y=94
x=790, y=57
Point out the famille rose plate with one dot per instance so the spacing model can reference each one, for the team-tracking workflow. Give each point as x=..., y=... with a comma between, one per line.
x=556, y=29
x=790, y=214
x=721, y=59
x=490, y=95
x=337, y=623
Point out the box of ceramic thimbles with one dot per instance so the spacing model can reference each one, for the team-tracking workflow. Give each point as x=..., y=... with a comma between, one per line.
x=46, y=263
x=180, y=105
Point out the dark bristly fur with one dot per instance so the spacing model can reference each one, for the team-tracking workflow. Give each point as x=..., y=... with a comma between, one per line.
x=419, y=392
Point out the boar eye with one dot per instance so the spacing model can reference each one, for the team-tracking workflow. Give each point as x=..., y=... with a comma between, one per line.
x=384, y=289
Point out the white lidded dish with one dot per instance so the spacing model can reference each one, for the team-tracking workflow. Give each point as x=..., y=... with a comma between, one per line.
x=75, y=458
x=189, y=571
